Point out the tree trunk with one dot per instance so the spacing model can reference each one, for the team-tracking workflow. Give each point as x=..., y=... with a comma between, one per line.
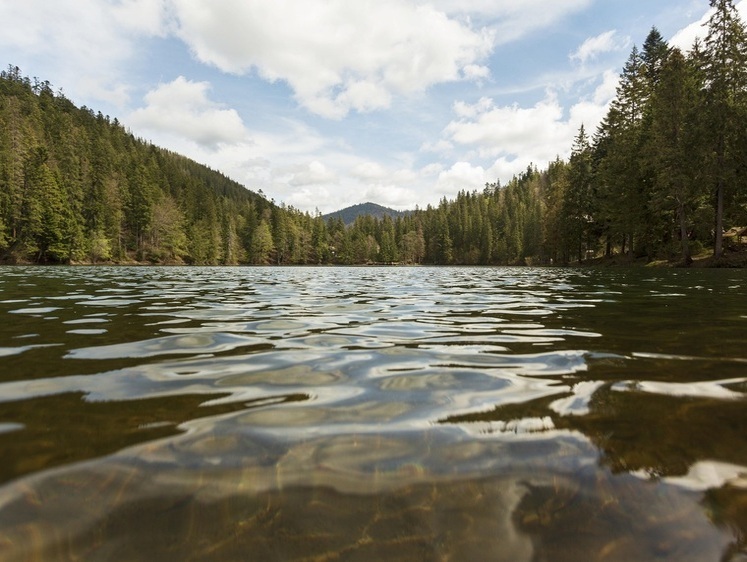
x=718, y=246
x=686, y=258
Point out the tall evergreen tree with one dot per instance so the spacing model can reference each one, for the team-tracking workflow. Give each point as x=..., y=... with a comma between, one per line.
x=653, y=54
x=577, y=207
x=261, y=246
x=673, y=149
x=620, y=179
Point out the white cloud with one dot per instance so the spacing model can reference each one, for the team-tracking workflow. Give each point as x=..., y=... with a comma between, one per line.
x=607, y=89
x=78, y=43
x=182, y=108
x=336, y=55
x=432, y=169
x=685, y=38
x=511, y=19
x=311, y=173
x=606, y=42
x=390, y=195
x=511, y=129
x=142, y=16
x=462, y=175
x=288, y=164
x=311, y=197
x=513, y=137
x=369, y=171
x=476, y=72
x=466, y=110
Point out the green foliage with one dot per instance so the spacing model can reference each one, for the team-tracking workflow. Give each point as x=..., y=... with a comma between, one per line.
x=261, y=245
x=99, y=247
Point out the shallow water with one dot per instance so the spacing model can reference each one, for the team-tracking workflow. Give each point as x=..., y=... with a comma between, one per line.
x=372, y=413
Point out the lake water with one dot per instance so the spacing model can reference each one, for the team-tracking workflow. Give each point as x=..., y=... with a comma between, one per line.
x=372, y=414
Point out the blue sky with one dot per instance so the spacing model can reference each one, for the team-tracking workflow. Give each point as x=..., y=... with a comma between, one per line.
x=322, y=104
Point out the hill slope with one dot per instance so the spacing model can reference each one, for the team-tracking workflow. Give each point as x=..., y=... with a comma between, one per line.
x=76, y=186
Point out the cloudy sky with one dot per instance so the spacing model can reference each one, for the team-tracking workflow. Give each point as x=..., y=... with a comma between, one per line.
x=326, y=103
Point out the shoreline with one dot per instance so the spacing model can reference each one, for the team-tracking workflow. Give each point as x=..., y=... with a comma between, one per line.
x=734, y=258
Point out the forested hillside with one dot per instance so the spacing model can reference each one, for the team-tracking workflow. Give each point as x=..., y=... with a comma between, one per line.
x=664, y=175
x=76, y=186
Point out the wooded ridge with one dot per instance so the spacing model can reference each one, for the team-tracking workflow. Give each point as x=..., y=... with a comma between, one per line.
x=662, y=177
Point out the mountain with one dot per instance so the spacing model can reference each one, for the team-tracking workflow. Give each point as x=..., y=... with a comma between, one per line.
x=349, y=214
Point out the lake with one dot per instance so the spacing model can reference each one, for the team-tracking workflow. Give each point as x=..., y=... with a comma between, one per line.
x=373, y=414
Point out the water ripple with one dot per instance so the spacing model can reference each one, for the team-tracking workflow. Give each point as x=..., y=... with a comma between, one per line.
x=523, y=387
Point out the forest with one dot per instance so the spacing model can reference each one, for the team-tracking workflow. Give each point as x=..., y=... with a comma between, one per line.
x=663, y=177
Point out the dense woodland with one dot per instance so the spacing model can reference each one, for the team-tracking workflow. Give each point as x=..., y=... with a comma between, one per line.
x=662, y=177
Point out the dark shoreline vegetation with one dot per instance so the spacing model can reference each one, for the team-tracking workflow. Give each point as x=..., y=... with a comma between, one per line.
x=661, y=181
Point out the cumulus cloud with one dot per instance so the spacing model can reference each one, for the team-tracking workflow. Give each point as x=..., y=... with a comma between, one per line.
x=76, y=42
x=513, y=137
x=510, y=129
x=311, y=173
x=606, y=42
x=369, y=171
x=461, y=175
x=336, y=55
x=463, y=109
x=182, y=108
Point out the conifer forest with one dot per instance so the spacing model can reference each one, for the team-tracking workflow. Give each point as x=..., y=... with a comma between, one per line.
x=663, y=177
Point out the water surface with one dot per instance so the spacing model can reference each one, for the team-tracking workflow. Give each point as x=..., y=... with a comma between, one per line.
x=372, y=413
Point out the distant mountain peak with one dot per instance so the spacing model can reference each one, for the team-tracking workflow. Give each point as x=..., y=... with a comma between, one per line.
x=349, y=214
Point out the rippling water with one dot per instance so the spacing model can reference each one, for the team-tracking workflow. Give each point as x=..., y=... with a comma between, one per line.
x=372, y=414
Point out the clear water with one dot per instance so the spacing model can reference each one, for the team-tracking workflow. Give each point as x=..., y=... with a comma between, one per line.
x=372, y=414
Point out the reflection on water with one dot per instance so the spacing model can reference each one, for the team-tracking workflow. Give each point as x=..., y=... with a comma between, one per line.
x=372, y=413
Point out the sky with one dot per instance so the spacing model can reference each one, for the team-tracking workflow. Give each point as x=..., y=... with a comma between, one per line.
x=322, y=104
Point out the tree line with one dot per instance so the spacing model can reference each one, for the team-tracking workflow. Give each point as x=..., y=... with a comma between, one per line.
x=661, y=178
